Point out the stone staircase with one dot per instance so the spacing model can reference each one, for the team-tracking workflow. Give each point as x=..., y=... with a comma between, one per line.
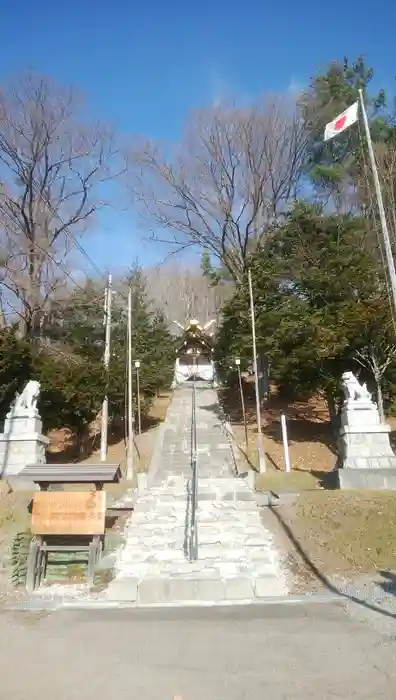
x=237, y=560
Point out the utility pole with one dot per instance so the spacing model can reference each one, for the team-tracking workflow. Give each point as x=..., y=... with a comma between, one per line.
x=130, y=406
x=106, y=361
x=384, y=226
x=260, y=447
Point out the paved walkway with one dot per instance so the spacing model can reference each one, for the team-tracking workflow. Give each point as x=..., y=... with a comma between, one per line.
x=237, y=560
x=277, y=652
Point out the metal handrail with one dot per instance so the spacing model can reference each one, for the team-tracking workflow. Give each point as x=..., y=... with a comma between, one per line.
x=192, y=525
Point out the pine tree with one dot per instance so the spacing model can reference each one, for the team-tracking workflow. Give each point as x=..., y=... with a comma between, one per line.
x=339, y=162
x=152, y=343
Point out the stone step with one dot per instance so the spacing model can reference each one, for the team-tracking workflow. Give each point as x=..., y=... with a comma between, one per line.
x=216, y=557
x=194, y=590
x=237, y=557
x=213, y=567
x=164, y=518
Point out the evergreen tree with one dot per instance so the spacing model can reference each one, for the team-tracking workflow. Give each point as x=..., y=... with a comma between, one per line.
x=152, y=342
x=161, y=357
x=15, y=367
x=320, y=299
x=339, y=162
x=216, y=275
x=76, y=322
x=71, y=392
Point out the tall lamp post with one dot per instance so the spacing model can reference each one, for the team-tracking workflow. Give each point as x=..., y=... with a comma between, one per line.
x=137, y=366
x=260, y=446
x=238, y=365
x=129, y=403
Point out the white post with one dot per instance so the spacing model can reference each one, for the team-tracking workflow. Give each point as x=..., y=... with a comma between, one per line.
x=238, y=364
x=106, y=361
x=130, y=406
x=262, y=465
x=137, y=365
x=285, y=444
x=388, y=248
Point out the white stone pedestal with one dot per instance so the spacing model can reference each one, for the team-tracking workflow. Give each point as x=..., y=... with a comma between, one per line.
x=22, y=442
x=368, y=450
x=366, y=456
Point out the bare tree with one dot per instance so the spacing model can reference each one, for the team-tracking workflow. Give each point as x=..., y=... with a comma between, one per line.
x=51, y=171
x=185, y=293
x=235, y=170
x=377, y=358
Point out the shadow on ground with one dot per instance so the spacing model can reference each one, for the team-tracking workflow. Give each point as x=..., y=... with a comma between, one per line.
x=389, y=585
x=306, y=420
x=391, y=582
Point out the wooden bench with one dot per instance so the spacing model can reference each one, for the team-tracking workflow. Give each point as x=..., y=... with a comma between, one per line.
x=47, y=474
x=59, y=521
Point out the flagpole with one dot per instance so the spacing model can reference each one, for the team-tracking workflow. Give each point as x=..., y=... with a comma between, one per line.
x=385, y=231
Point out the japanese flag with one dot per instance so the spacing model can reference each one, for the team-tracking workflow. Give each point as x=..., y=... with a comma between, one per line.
x=342, y=122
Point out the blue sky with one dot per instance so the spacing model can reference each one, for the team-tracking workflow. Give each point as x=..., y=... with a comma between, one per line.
x=144, y=65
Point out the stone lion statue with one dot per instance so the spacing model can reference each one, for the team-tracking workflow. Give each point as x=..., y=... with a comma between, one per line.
x=353, y=390
x=29, y=397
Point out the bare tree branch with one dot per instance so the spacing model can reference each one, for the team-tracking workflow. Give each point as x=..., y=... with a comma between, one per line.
x=191, y=297
x=235, y=170
x=377, y=358
x=52, y=169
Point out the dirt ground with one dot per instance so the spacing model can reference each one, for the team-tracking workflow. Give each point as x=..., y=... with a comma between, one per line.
x=311, y=443
x=143, y=443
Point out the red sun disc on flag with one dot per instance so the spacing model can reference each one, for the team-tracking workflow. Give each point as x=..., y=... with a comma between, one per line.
x=340, y=123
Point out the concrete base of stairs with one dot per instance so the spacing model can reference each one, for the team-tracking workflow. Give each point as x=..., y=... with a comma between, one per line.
x=192, y=590
x=39, y=603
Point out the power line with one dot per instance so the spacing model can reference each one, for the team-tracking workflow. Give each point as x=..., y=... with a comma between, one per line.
x=97, y=300
x=78, y=245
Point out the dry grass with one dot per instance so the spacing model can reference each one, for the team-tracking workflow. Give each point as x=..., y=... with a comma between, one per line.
x=355, y=530
x=280, y=482
x=14, y=518
x=13, y=509
x=161, y=405
x=347, y=533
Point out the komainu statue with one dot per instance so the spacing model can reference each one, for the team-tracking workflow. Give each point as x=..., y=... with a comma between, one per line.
x=353, y=390
x=28, y=399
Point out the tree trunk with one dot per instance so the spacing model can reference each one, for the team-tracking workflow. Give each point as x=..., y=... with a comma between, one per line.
x=82, y=435
x=380, y=400
x=262, y=366
x=333, y=414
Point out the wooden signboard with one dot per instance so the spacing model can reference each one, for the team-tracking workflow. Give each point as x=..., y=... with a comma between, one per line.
x=69, y=513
